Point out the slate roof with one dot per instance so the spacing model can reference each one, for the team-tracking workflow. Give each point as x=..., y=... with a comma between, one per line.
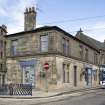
x=90, y=41
x=47, y=28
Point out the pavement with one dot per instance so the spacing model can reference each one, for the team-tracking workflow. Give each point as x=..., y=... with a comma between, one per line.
x=94, y=97
x=41, y=94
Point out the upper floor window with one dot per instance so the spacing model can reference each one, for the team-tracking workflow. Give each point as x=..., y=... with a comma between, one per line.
x=44, y=43
x=81, y=51
x=14, y=47
x=102, y=58
x=95, y=58
x=1, y=48
x=86, y=54
x=65, y=44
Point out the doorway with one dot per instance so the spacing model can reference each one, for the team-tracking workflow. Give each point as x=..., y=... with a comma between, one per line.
x=75, y=76
x=88, y=77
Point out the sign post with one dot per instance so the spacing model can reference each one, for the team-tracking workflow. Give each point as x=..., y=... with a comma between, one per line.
x=46, y=67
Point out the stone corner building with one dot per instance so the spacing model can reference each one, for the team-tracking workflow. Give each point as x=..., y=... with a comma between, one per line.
x=73, y=61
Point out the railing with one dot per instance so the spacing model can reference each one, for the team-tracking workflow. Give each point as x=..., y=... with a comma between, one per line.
x=16, y=89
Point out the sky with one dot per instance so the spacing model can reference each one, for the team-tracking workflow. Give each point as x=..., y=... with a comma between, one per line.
x=70, y=15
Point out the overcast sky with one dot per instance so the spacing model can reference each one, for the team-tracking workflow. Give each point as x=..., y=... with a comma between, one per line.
x=70, y=15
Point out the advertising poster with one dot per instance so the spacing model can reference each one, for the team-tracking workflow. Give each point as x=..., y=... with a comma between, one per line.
x=28, y=67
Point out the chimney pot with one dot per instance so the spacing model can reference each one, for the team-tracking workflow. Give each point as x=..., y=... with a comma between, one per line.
x=26, y=10
x=33, y=9
x=29, y=9
x=80, y=30
x=4, y=27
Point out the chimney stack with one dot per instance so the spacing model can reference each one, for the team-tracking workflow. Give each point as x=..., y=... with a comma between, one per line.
x=4, y=27
x=3, y=30
x=80, y=30
x=29, y=19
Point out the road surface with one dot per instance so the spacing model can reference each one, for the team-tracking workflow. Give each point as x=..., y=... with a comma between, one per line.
x=96, y=97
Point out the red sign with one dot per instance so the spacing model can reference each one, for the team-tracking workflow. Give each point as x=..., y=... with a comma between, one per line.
x=46, y=66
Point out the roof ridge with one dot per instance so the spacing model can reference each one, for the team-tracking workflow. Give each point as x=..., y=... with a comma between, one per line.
x=91, y=38
x=90, y=41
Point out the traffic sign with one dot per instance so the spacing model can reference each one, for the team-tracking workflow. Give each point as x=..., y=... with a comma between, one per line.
x=46, y=66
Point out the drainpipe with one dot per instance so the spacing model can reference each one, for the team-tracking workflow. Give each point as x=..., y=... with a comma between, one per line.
x=99, y=65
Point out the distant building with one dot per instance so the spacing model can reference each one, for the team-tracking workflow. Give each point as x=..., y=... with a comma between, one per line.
x=73, y=62
x=3, y=32
x=95, y=44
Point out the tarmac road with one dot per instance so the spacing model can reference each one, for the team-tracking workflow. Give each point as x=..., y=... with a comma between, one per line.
x=96, y=98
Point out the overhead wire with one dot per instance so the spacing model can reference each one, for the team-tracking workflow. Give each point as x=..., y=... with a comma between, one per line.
x=73, y=20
